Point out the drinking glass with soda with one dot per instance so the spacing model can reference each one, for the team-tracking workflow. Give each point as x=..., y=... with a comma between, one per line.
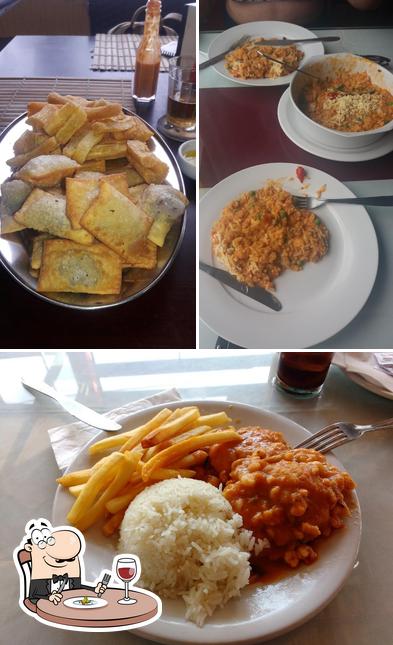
x=179, y=121
x=303, y=373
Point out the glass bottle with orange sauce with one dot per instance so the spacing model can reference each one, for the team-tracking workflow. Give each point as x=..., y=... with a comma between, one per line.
x=148, y=55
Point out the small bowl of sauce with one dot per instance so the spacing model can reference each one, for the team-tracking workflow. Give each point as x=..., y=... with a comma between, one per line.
x=188, y=158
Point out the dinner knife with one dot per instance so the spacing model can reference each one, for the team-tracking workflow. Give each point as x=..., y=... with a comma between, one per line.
x=77, y=410
x=219, y=57
x=280, y=42
x=268, y=43
x=256, y=293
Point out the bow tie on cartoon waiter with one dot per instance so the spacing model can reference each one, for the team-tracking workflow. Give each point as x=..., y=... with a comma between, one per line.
x=55, y=563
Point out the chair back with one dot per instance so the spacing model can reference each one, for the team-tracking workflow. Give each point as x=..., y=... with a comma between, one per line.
x=24, y=561
x=136, y=25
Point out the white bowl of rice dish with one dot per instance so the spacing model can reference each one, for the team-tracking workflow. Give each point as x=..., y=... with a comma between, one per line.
x=350, y=106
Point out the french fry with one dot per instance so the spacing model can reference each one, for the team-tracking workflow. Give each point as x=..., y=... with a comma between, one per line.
x=138, y=434
x=76, y=490
x=150, y=452
x=216, y=420
x=170, y=428
x=120, y=439
x=194, y=432
x=179, y=450
x=111, y=525
x=75, y=478
x=96, y=483
x=171, y=473
x=121, y=502
x=194, y=459
x=96, y=511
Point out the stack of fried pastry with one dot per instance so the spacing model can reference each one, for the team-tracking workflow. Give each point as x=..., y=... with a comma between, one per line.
x=85, y=180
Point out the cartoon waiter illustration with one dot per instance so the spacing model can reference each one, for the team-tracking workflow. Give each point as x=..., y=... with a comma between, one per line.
x=53, y=589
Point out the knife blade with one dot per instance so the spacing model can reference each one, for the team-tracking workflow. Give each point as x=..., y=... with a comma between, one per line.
x=76, y=409
x=281, y=42
x=255, y=293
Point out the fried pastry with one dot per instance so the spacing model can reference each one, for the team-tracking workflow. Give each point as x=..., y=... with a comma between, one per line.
x=117, y=222
x=73, y=123
x=113, y=150
x=47, y=170
x=127, y=127
x=37, y=250
x=45, y=212
x=28, y=141
x=92, y=166
x=70, y=267
x=81, y=192
x=152, y=169
x=7, y=222
x=47, y=146
x=14, y=193
x=51, y=118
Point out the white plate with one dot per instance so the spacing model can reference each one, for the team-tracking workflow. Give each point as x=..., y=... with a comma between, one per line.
x=296, y=132
x=264, y=29
x=75, y=603
x=261, y=612
x=318, y=301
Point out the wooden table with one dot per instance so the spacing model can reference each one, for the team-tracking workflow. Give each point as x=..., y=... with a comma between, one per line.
x=162, y=318
x=112, y=615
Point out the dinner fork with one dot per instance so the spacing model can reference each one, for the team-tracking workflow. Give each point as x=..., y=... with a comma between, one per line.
x=339, y=433
x=304, y=201
x=104, y=581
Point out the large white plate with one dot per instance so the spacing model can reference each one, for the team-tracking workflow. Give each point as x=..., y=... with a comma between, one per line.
x=318, y=301
x=261, y=612
x=298, y=134
x=264, y=29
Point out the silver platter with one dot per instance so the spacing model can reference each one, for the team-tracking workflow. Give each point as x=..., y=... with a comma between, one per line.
x=14, y=248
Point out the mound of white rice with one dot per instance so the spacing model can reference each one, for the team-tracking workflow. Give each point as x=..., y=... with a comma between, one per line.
x=190, y=543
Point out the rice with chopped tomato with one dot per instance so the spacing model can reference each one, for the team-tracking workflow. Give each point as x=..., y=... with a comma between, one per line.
x=245, y=62
x=348, y=102
x=261, y=234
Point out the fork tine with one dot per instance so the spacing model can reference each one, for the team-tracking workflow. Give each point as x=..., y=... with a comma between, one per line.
x=327, y=440
x=300, y=201
x=320, y=433
x=336, y=444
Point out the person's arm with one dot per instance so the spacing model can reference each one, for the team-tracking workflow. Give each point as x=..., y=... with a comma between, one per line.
x=296, y=11
x=365, y=5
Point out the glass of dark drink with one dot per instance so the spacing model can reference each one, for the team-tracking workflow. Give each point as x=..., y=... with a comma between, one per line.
x=180, y=119
x=126, y=569
x=303, y=373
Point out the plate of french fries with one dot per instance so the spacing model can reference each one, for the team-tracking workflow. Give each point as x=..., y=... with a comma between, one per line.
x=92, y=208
x=171, y=440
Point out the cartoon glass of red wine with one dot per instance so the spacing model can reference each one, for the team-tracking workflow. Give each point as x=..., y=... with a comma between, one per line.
x=126, y=569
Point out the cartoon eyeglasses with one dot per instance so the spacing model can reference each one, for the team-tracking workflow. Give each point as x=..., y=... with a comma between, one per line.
x=42, y=538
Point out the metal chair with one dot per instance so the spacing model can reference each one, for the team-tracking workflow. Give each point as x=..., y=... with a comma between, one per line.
x=136, y=25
